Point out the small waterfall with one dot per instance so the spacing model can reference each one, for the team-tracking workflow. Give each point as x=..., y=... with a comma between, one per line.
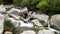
x=58, y=32
x=48, y=25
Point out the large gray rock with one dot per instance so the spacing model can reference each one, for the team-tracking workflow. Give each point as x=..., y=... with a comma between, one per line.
x=14, y=13
x=28, y=32
x=45, y=32
x=55, y=21
x=42, y=17
x=1, y=23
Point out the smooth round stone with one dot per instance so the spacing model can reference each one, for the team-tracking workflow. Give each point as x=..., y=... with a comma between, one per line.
x=8, y=32
x=28, y=32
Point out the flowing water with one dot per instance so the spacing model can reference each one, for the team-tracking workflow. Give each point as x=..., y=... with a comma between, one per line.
x=49, y=27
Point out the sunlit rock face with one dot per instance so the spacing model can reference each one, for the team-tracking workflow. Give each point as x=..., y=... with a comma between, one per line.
x=55, y=21
x=1, y=23
x=28, y=32
x=45, y=32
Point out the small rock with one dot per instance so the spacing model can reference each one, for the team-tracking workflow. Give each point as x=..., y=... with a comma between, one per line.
x=28, y=32
x=8, y=32
x=45, y=32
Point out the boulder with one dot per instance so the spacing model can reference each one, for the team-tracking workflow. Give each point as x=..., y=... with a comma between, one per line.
x=28, y=32
x=14, y=13
x=41, y=17
x=55, y=21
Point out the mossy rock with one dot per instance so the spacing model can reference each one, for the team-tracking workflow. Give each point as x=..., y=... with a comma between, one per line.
x=8, y=26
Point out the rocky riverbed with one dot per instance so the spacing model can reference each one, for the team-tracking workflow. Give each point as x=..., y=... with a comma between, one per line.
x=28, y=22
